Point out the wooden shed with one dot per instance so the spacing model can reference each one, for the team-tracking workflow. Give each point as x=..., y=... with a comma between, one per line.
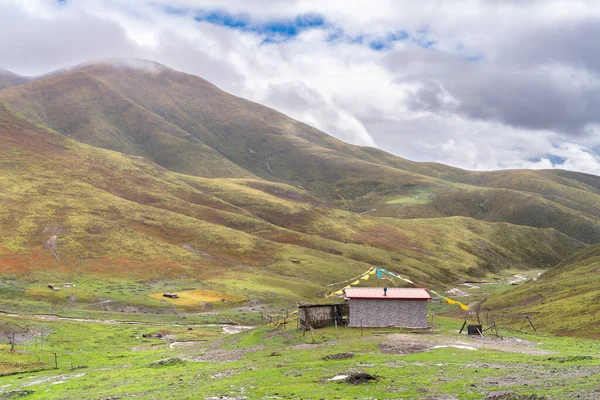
x=393, y=307
x=322, y=315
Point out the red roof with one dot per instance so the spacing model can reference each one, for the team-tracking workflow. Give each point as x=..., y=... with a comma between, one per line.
x=392, y=293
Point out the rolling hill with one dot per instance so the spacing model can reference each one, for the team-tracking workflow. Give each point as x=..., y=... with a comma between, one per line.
x=564, y=300
x=187, y=125
x=152, y=179
x=69, y=209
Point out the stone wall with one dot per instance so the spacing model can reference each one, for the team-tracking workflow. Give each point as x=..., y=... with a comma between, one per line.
x=388, y=313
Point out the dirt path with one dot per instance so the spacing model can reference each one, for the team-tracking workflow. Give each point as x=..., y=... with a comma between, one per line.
x=407, y=344
x=227, y=327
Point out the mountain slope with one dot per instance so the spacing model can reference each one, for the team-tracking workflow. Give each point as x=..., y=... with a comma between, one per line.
x=187, y=125
x=564, y=300
x=70, y=211
x=8, y=79
x=111, y=106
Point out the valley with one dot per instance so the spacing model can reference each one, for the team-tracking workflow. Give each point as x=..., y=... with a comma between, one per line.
x=122, y=182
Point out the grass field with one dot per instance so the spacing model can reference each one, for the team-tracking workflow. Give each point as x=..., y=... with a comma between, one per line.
x=112, y=360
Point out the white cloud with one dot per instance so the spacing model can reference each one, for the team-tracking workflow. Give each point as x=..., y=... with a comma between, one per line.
x=506, y=84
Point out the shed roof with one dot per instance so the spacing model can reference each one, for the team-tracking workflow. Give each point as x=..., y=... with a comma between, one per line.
x=392, y=293
x=319, y=305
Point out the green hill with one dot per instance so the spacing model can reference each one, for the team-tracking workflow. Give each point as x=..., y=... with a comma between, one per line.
x=187, y=125
x=73, y=212
x=563, y=300
x=157, y=180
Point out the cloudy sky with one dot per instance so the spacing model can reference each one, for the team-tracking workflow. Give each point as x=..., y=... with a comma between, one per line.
x=480, y=85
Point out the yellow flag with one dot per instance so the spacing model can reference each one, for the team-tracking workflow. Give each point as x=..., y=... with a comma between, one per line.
x=364, y=278
x=373, y=272
x=450, y=301
x=339, y=292
x=356, y=282
x=347, y=287
x=466, y=308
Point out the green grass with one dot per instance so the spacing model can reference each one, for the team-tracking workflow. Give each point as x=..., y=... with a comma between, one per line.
x=115, y=360
x=569, y=291
x=417, y=196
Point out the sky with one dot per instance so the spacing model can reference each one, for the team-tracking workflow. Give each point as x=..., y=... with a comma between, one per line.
x=481, y=85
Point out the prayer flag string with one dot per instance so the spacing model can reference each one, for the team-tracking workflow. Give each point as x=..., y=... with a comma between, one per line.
x=380, y=275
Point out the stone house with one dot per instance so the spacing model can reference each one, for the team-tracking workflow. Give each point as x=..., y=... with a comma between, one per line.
x=393, y=307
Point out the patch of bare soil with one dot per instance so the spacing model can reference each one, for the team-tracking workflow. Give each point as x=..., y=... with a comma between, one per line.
x=224, y=374
x=167, y=362
x=279, y=333
x=309, y=345
x=360, y=378
x=544, y=373
x=338, y=356
x=54, y=379
x=408, y=344
x=514, y=396
x=223, y=356
x=570, y=359
x=395, y=347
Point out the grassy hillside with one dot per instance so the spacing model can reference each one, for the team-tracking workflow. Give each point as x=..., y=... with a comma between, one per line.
x=187, y=125
x=563, y=300
x=576, y=216
x=71, y=212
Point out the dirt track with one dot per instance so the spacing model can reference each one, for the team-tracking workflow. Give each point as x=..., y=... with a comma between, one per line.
x=227, y=327
x=407, y=344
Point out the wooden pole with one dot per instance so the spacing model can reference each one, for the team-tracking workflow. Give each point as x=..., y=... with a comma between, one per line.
x=463, y=327
x=432, y=322
x=495, y=326
x=361, y=327
x=531, y=323
x=311, y=333
x=55, y=361
x=336, y=330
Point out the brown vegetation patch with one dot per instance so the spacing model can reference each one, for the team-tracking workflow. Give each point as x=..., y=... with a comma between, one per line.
x=24, y=264
x=8, y=368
